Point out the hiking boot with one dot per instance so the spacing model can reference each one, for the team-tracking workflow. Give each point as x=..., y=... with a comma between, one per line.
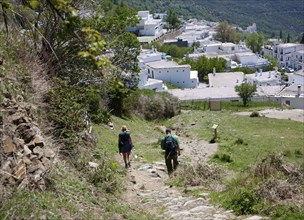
x=129, y=164
x=126, y=165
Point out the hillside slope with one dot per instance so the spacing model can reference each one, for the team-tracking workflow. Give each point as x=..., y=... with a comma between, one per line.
x=271, y=16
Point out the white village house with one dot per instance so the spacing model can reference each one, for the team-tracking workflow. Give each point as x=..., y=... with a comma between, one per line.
x=147, y=26
x=144, y=81
x=289, y=54
x=155, y=69
x=250, y=60
x=169, y=71
x=237, y=55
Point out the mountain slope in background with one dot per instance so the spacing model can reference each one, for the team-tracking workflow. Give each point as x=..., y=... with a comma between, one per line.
x=271, y=16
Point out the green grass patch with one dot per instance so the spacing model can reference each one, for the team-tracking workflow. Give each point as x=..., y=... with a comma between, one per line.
x=67, y=197
x=171, y=86
x=245, y=139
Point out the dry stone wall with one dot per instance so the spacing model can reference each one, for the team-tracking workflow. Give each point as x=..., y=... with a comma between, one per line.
x=25, y=155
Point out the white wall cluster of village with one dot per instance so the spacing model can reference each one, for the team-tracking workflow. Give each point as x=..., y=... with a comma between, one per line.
x=156, y=68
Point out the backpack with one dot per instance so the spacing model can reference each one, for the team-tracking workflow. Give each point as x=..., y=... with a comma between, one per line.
x=170, y=145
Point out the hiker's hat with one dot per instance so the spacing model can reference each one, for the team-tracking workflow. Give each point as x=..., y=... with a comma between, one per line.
x=168, y=130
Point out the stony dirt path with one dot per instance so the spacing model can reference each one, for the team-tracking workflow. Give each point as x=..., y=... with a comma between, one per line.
x=146, y=188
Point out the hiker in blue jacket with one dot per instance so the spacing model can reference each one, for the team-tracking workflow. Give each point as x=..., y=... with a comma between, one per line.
x=125, y=145
x=170, y=144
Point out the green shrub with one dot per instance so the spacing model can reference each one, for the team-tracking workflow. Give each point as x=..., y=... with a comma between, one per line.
x=239, y=141
x=287, y=212
x=223, y=157
x=287, y=153
x=255, y=114
x=151, y=105
x=244, y=201
x=298, y=153
x=107, y=176
x=67, y=109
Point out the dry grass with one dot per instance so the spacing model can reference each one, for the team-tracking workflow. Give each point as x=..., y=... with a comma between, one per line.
x=206, y=175
x=280, y=181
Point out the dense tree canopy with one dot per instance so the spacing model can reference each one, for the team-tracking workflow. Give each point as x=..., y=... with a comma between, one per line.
x=226, y=33
x=255, y=41
x=172, y=19
x=205, y=65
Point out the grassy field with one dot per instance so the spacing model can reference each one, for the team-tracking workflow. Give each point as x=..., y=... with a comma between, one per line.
x=245, y=139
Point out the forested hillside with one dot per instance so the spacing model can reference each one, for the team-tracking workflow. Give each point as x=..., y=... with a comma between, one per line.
x=271, y=16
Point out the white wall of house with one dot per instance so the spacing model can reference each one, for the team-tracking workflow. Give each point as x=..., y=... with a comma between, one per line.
x=143, y=78
x=211, y=48
x=284, y=53
x=146, y=83
x=171, y=72
x=294, y=102
x=228, y=48
x=297, y=59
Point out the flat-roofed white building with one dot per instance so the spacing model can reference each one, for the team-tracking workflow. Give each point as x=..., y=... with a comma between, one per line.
x=226, y=79
x=148, y=56
x=171, y=72
x=269, y=78
x=148, y=26
x=251, y=60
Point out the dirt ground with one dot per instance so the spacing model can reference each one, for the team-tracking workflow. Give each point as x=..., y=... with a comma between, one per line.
x=288, y=114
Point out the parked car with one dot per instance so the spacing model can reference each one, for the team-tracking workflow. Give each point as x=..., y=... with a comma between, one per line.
x=289, y=70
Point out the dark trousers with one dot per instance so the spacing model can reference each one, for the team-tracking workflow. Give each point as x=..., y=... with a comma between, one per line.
x=171, y=163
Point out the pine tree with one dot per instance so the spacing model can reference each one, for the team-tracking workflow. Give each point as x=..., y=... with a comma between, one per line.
x=288, y=38
x=281, y=34
x=302, y=40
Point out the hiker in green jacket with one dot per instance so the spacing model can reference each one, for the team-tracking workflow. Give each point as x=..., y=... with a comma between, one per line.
x=170, y=144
